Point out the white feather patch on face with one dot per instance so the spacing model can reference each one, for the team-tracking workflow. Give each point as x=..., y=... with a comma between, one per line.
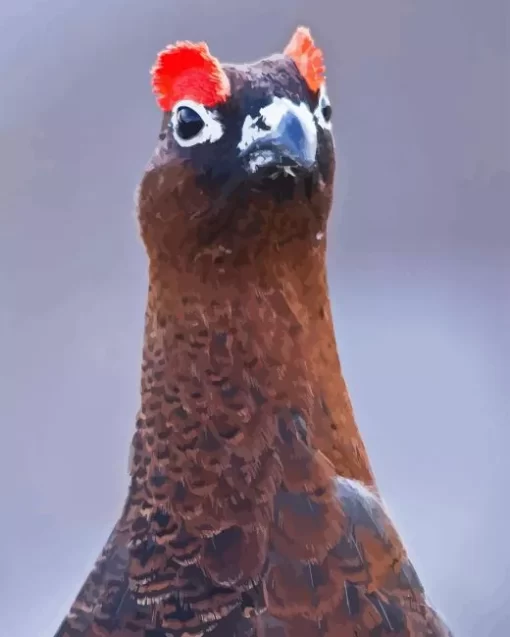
x=270, y=117
x=260, y=159
x=211, y=131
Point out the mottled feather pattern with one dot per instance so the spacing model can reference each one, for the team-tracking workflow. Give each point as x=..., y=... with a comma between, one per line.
x=224, y=508
x=252, y=508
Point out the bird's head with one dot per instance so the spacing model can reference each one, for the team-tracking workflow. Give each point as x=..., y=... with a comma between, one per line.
x=245, y=162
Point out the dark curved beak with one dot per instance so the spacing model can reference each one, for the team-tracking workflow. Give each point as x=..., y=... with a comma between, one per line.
x=290, y=145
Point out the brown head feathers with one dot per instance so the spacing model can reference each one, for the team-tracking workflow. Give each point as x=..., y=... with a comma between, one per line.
x=244, y=172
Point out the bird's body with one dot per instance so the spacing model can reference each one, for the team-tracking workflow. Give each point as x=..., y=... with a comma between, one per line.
x=252, y=509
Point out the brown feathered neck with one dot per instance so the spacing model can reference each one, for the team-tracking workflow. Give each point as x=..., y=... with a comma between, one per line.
x=238, y=346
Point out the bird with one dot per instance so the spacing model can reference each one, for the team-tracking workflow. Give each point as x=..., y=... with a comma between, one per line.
x=252, y=507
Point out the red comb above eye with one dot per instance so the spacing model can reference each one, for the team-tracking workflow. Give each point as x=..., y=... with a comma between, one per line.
x=188, y=71
x=308, y=58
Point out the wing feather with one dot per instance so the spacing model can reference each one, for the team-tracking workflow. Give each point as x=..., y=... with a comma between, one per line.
x=364, y=585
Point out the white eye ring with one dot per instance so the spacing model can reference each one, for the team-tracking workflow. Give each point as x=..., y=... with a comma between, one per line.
x=319, y=115
x=210, y=132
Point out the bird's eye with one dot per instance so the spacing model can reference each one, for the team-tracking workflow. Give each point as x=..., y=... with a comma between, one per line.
x=188, y=123
x=192, y=124
x=327, y=112
x=324, y=112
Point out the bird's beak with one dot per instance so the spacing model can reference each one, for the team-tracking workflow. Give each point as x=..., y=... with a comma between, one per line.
x=283, y=138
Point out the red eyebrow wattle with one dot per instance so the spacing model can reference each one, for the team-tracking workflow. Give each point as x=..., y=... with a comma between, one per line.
x=308, y=58
x=187, y=70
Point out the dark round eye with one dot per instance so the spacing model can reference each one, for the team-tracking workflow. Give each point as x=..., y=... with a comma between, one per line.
x=327, y=112
x=188, y=123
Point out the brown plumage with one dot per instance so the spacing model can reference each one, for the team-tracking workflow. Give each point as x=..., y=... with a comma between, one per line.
x=252, y=509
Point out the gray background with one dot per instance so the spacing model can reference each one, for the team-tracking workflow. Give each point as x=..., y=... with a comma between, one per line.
x=419, y=272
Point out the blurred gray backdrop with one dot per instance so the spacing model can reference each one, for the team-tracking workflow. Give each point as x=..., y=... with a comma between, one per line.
x=419, y=272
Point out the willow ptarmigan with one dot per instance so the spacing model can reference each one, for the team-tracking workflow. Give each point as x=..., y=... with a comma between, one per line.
x=252, y=509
